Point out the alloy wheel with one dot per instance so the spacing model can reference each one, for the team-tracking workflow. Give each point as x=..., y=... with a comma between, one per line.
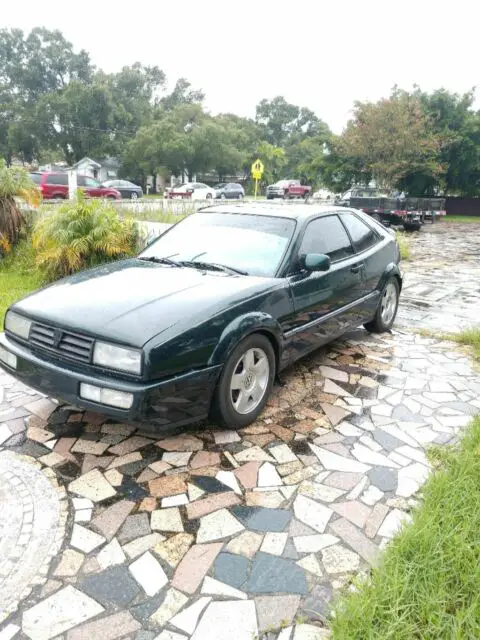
x=249, y=381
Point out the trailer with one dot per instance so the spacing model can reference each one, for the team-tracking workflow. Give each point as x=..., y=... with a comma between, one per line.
x=410, y=213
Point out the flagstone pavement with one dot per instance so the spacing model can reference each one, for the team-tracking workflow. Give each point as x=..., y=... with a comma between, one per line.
x=208, y=534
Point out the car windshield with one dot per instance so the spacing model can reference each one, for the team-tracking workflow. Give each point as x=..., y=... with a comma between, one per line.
x=245, y=242
x=220, y=186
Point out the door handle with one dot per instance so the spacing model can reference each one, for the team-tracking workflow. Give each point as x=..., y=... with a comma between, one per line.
x=356, y=268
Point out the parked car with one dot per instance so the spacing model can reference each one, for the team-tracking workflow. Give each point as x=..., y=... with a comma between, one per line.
x=229, y=191
x=127, y=189
x=200, y=323
x=192, y=190
x=55, y=186
x=288, y=189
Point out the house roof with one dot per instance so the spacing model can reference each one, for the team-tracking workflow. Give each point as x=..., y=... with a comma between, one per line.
x=89, y=161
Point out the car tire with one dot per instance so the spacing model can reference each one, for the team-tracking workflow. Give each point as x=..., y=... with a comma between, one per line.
x=240, y=196
x=269, y=197
x=238, y=402
x=387, y=308
x=134, y=195
x=111, y=198
x=222, y=196
x=208, y=196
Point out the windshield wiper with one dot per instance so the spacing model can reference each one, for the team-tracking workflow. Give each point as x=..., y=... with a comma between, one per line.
x=215, y=266
x=159, y=260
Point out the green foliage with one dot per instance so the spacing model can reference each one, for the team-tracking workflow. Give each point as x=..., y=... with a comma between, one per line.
x=273, y=159
x=283, y=122
x=14, y=182
x=469, y=337
x=404, y=245
x=390, y=140
x=457, y=125
x=82, y=234
x=18, y=275
x=428, y=582
x=55, y=105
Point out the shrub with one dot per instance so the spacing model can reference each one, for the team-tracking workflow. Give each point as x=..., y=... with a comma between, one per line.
x=14, y=182
x=404, y=245
x=82, y=234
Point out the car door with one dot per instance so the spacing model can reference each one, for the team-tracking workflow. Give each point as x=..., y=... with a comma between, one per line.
x=324, y=302
x=125, y=188
x=93, y=188
x=374, y=257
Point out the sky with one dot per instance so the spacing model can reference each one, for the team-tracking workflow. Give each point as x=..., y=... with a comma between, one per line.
x=317, y=54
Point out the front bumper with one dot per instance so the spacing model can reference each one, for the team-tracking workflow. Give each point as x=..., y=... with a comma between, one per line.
x=174, y=402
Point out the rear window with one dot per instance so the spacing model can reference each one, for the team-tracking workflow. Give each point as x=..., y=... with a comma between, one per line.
x=57, y=178
x=36, y=177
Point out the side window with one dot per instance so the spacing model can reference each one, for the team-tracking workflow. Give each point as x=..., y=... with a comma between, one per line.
x=326, y=235
x=362, y=236
x=80, y=181
x=57, y=178
x=90, y=182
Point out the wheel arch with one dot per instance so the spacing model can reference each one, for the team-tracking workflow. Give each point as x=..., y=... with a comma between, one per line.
x=391, y=270
x=243, y=327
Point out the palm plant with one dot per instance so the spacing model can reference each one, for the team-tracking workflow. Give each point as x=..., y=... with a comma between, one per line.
x=14, y=182
x=81, y=234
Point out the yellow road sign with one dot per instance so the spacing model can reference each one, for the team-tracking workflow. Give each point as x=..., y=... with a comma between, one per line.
x=257, y=169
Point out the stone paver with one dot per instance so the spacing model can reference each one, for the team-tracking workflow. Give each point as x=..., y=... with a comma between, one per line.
x=225, y=534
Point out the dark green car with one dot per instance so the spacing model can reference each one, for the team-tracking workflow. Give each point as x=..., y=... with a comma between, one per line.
x=200, y=323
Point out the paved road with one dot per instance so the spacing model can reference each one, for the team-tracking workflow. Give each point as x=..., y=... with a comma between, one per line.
x=213, y=535
x=442, y=284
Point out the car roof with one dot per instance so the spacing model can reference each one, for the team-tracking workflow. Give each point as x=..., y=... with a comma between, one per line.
x=293, y=211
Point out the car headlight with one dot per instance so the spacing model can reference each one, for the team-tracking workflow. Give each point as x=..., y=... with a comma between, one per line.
x=17, y=324
x=121, y=358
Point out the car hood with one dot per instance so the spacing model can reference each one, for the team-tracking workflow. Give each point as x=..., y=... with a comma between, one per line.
x=132, y=301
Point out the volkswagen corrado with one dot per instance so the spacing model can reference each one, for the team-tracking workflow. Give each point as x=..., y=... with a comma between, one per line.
x=202, y=321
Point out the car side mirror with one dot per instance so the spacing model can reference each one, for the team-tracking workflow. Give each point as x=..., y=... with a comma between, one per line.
x=316, y=262
x=190, y=190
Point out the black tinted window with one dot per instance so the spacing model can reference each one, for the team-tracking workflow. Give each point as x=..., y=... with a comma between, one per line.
x=57, y=178
x=36, y=177
x=327, y=235
x=80, y=181
x=362, y=236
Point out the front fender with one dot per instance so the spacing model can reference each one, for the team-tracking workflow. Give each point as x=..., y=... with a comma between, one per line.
x=392, y=269
x=243, y=326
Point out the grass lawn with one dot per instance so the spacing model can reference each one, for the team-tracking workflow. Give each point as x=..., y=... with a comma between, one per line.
x=428, y=583
x=470, y=337
x=18, y=276
x=404, y=245
x=460, y=218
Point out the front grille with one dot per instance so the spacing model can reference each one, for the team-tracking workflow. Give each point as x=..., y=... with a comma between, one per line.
x=70, y=345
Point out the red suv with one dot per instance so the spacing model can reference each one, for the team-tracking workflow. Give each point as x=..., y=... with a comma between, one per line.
x=55, y=185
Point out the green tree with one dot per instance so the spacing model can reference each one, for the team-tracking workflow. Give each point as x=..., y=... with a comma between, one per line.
x=14, y=183
x=42, y=61
x=274, y=160
x=283, y=123
x=182, y=94
x=389, y=140
x=457, y=125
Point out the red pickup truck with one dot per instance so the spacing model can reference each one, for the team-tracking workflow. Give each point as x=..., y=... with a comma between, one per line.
x=288, y=189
